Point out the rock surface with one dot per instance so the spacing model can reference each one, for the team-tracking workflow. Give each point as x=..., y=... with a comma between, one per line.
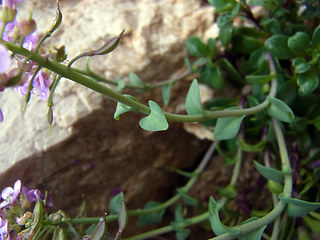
x=88, y=152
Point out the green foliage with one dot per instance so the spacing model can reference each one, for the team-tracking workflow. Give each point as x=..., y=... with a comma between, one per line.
x=156, y=120
x=265, y=67
x=115, y=203
x=151, y=218
x=122, y=108
x=297, y=207
x=193, y=101
x=279, y=110
x=269, y=173
x=227, y=127
x=277, y=45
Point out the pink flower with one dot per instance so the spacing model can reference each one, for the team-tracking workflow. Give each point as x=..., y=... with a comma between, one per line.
x=9, y=194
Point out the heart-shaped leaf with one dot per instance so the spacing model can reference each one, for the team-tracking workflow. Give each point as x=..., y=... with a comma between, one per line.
x=193, y=101
x=156, y=121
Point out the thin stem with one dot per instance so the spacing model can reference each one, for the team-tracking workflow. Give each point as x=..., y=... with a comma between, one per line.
x=89, y=83
x=280, y=206
x=146, y=86
x=175, y=198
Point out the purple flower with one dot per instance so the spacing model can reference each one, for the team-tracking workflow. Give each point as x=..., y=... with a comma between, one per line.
x=30, y=41
x=5, y=59
x=41, y=83
x=4, y=229
x=9, y=194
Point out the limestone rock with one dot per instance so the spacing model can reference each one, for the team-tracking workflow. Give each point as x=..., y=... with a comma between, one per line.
x=89, y=152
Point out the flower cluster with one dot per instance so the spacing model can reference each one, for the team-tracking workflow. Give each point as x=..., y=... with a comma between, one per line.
x=13, y=210
x=20, y=72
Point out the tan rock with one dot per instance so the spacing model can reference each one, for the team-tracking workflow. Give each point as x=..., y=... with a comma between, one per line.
x=88, y=152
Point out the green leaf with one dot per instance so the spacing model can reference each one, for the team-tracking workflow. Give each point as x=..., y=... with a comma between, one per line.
x=151, y=218
x=269, y=173
x=196, y=47
x=136, y=81
x=257, y=234
x=186, y=174
x=312, y=223
x=275, y=187
x=193, y=101
x=122, y=108
x=156, y=120
x=121, y=84
x=277, y=45
x=258, y=147
x=227, y=127
x=259, y=79
x=301, y=66
x=188, y=64
x=217, y=226
x=166, y=92
x=316, y=122
x=279, y=110
x=115, y=203
x=265, y=3
x=299, y=43
x=228, y=192
x=182, y=234
x=216, y=78
x=226, y=30
x=212, y=46
x=186, y=198
x=222, y=5
x=231, y=72
x=307, y=82
x=271, y=25
x=316, y=38
x=297, y=207
x=245, y=44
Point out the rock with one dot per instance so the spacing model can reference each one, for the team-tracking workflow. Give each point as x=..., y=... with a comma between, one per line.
x=88, y=152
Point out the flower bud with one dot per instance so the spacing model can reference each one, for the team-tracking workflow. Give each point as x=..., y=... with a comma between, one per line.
x=8, y=14
x=26, y=27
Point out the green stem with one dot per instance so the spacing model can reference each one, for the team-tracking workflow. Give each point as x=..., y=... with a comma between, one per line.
x=175, y=198
x=89, y=83
x=280, y=207
x=169, y=228
x=146, y=86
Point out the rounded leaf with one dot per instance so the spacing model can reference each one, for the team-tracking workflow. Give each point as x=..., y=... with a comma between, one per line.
x=277, y=45
x=279, y=110
x=299, y=43
x=307, y=82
